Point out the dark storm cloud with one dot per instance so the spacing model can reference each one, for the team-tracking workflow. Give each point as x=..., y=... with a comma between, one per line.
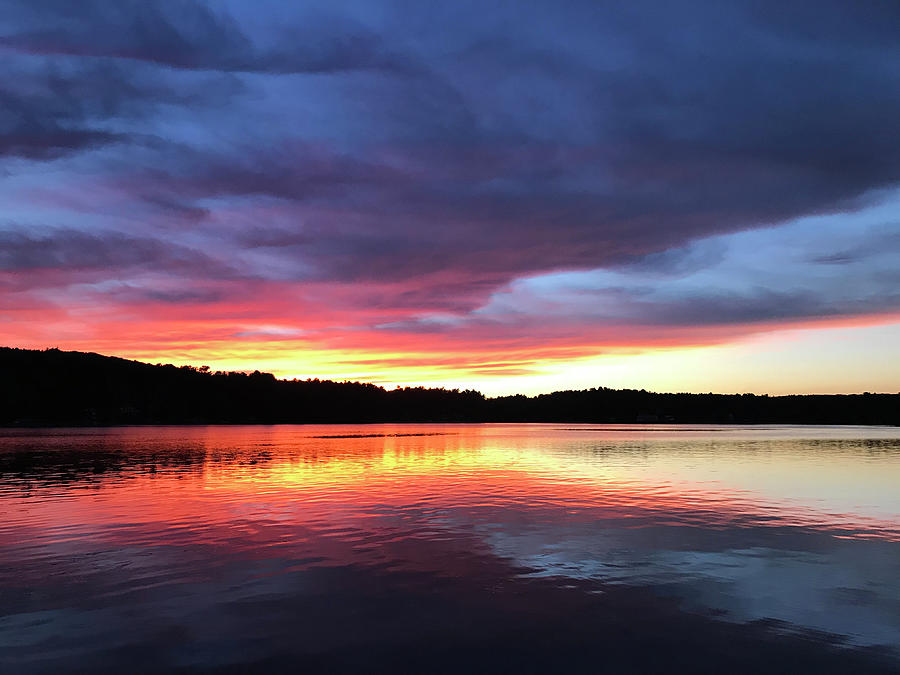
x=715, y=122
x=190, y=34
x=71, y=251
x=455, y=147
x=46, y=139
x=47, y=114
x=48, y=110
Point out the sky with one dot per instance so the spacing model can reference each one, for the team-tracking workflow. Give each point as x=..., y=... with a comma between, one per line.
x=511, y=196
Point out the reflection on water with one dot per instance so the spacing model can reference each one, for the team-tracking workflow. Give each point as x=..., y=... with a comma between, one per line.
x=442, y=547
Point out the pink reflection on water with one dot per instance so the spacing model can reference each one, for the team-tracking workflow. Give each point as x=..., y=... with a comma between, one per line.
x=797, y=524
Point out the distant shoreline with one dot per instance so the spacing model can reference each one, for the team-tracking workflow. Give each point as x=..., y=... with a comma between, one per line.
x=633, y=426
x=56, y=389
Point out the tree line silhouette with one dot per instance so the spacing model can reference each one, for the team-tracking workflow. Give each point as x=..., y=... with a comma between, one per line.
x=57, y=388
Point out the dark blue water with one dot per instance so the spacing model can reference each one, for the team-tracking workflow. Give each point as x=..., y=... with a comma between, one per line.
x=450, y=548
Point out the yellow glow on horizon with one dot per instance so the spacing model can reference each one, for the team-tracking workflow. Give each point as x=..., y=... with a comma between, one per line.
x=790, y=361
x=815, y=359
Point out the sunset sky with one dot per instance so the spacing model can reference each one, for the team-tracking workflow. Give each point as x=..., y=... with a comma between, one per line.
x=510, y=196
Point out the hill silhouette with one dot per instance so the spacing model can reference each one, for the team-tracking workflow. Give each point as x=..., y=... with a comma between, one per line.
x=58, y=388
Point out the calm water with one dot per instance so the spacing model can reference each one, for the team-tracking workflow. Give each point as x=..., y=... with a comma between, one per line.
x=450, y=548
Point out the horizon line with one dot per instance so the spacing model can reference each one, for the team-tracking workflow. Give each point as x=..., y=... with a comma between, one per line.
x=201, y=368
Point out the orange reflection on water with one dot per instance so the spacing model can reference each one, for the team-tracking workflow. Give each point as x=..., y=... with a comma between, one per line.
x=177, y=478
x=796, y=524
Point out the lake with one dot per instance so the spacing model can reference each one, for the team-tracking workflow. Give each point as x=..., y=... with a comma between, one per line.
x=450, y=548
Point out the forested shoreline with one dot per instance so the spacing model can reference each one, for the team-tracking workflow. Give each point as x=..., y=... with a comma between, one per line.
x=58, y=388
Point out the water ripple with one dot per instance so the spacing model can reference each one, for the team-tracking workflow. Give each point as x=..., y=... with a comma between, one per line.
x=118, y=541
